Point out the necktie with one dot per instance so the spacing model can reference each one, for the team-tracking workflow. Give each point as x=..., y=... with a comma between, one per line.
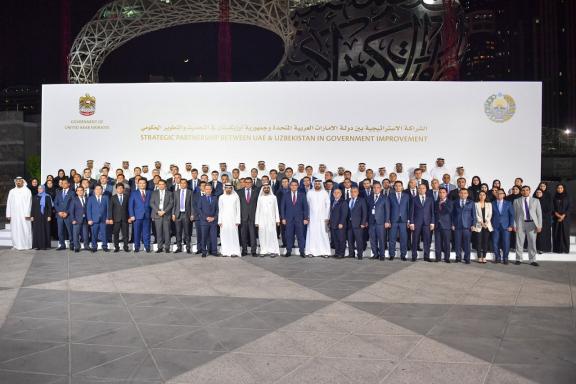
x=120, y=197
x=398, y=197
x=248, y=196
x=376, y=196
x=422, y=200
x=98, y=199
x=181, y=199
x=293, y=198
x=527, y=209
x=143, y=196
x=441, y=206
x=347, y=194
x=352, y=203
x=82, y=200
x=413, y=193
x=63, y=193
x=500, y=206
x=209, y=199
x=461, y=203
x=435, y=195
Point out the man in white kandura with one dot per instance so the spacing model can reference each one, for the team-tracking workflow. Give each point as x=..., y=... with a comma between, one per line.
x=317, y=240
x=267, y=218
x=229, y=220
x=18, y=213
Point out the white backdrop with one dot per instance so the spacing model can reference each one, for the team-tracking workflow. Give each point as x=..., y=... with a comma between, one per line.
x=336, y=123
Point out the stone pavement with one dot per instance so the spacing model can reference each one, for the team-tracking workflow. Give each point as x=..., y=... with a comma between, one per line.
x=176, y=318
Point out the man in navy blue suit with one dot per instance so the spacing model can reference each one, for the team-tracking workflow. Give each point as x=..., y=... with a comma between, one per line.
x=422, y=221
x=77, y=214
x=106, y=185
x=503, y=223
x=208, y=221
x=338, y=222
x=399, y=215
x=443, y=227
x=61, y=206
x=217, y=186
x=97, y=215
x=378, y=220
x=463, y=219
x=139, y=212
x=295, y=215
x=357, y=223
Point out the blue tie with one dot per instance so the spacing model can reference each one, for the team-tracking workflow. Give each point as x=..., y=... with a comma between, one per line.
x=352, y=203
x=527, y=210
x=209, y=200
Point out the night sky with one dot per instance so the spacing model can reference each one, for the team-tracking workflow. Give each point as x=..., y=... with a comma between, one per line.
x=30, y=43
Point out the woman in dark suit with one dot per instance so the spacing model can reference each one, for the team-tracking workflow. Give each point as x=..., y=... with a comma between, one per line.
x=544, y=238
x=515, y=194
x=561, y=225
x=474, y=188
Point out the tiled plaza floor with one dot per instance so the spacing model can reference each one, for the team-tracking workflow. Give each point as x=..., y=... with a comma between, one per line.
x=164, y=318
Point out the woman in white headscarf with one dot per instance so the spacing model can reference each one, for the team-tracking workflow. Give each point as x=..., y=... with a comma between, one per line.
x=18, y=213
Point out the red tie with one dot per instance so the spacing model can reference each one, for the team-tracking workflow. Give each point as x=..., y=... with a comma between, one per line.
x=248, y=196
x=143, y=197
x=293, y=198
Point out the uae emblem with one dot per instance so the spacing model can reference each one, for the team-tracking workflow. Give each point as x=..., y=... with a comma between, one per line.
x=87, y=105
x=500, y=108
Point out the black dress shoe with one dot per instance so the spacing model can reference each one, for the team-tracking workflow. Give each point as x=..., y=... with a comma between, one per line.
x=254, y=255
x=505, y=262
x=203, y=255
x=302, y=254
x=288, y=254
x=116, y=250
x=374, y=257
x=77, y=250
x=198, y=252
x=359, y=257
x=244, y=253
x=188, y=251
x=61, y=248
x=413, y=260
x=534, y=264
x=167, y=250
x=427, y=260
x=215, y=254
x=126, y=249
x=391, y=258
x=447, y=261
x=178, y=250
x=467, y=262
x=159, y=250
x=148, y=250
x=105, y=249
x=136, y=250
x=517, y=263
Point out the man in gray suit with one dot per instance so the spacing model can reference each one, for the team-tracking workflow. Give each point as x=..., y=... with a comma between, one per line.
x=527, y=224
x=162, y=202
x=182, y=215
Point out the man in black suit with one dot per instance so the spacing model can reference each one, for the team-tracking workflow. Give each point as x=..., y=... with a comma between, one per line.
x=274, y=181
x=455, y=194
x=182, y=215
x=357, y=222
x=118, y=211
x=248, y=200
x=338, y=222
x=419, y=179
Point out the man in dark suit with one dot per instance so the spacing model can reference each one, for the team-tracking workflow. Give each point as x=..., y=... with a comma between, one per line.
x=419, y=179
x=443, y=227
x=422, y=222
x=346, y=188
x=217, y=186
x=274, y=181
x=207, y=211
x=97, y=215
x=248, y=201
x=77, y=215
x=463, y=219
x=503, y=224
x=338, y=223
x=284, y=189
x=366, y=189
x=357, y=222
x=378, y=220
x=139, y=212
x=161, y=204
x=256, y=182
x=455, y=193
x=197, y=195
x=62, y=206
x=289, y=174
x=399, y=215
x=118, y=214
x=182, y=215
x=295, y=214
x=107, y=187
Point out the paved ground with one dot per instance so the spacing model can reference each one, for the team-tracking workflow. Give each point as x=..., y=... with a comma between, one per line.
x=146, y=318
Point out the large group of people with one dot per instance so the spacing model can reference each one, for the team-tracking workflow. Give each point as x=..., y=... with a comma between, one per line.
x=318, y=212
